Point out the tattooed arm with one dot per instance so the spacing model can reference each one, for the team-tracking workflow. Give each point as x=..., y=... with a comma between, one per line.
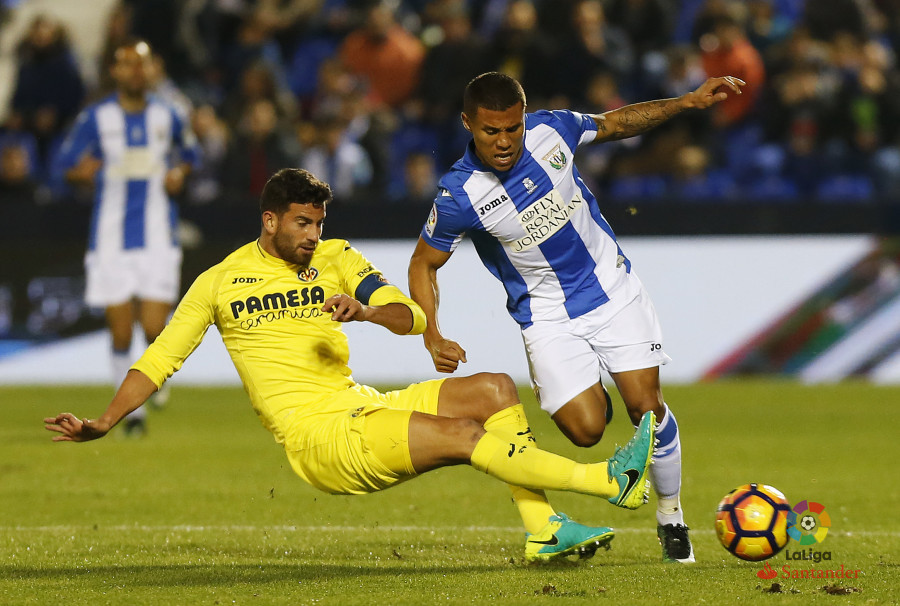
x=638, y=118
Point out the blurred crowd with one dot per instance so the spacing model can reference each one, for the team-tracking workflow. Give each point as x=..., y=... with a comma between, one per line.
x=367, y=94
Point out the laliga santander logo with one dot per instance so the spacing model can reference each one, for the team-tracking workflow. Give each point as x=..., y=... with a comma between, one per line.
x=808, y=523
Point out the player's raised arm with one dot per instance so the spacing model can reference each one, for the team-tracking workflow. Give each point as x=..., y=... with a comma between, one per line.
x=424, y=290
x=133, y=392
x=638, y=118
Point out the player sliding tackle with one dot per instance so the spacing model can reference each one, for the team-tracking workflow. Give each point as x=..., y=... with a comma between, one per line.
x=279, y=303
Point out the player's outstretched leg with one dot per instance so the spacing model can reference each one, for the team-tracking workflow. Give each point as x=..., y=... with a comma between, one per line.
x=550, y=535
x=563, y=537
x=440, y=441
x=622, y=480
x=494, y=398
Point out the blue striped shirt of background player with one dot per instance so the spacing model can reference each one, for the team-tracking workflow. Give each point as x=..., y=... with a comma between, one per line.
x=131, y=207
x=537, y=215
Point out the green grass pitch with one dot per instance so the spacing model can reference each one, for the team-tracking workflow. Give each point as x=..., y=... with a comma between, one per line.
x=205, y=510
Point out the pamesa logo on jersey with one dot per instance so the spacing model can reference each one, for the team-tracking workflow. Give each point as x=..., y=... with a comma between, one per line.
x=308, y=295
x=308, y=274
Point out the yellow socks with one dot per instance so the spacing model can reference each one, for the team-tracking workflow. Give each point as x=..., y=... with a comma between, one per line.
x=512, y=425
x=530, y=467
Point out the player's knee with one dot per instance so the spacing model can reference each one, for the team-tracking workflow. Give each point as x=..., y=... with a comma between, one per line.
x=651, y=403
x=499, y=390
x=121, y=342
x=586, y=437
x=584, y=434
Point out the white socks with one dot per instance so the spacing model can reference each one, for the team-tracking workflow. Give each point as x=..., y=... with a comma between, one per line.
x=665, y=473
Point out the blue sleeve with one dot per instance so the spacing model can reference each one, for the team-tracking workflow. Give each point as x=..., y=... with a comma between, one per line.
x=446, y=223
x=83, y=138
x=576, y=128
x=185, y=140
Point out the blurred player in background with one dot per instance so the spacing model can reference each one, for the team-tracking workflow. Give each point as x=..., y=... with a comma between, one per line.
x=279, y=303
x=136, y=152
x=538, y=228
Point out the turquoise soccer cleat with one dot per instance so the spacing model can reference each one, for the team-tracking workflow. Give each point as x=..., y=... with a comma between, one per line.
x=562, y=537
x=629, y=465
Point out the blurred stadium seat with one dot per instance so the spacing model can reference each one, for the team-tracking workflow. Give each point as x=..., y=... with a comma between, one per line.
x=772, y=188
x=717, y=185
x=846, y=187
x=638, y=187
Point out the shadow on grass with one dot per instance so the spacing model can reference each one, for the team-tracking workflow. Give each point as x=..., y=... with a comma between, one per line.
x=222, y=574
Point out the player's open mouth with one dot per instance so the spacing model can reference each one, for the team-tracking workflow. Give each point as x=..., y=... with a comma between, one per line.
x=503, y=159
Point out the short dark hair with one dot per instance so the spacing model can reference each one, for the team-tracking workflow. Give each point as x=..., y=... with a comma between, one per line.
x=493, y=91
x=293, y=186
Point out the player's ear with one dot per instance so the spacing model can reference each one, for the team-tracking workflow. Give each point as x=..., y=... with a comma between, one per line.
x=465, y=121
x=270, y=221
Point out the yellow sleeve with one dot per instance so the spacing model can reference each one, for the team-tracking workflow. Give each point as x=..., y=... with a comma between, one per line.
x=355, y=269
x=363, y=281
x=391, y=294
x=183, y=333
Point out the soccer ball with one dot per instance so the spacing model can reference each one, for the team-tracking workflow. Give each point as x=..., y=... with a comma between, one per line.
x=751, y=521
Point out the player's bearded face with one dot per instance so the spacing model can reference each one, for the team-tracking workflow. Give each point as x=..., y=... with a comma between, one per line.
x=498, y=135
x=297, y=233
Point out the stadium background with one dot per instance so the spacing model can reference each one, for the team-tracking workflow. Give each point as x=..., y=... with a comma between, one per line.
x=763, y=229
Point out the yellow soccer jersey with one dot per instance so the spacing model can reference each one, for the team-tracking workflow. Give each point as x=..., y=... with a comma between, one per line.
x=289, y=354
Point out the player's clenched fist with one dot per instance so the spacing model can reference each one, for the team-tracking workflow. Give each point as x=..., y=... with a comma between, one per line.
x=446, y=354
x=713, y=91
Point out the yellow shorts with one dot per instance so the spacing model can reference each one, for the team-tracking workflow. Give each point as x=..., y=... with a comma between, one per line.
x=364, y=447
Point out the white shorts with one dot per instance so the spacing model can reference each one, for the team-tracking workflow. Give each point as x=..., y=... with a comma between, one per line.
x=149, y=275
x=565, y=358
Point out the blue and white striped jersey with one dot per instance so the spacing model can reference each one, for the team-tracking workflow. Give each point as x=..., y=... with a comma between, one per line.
x=536, y=227
x=131, y=207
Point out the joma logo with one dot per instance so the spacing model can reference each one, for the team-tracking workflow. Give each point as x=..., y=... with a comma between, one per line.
x=492, y=204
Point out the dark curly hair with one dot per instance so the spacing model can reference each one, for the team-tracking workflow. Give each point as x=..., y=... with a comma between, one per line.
x=293, y=185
